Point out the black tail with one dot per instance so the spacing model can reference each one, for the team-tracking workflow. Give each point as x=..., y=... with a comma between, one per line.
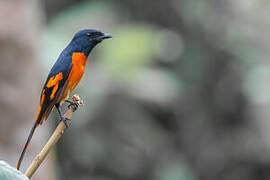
x=27, y=144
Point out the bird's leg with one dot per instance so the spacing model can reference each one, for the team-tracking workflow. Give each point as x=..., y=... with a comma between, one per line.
x=72, y=103
x=62, y=117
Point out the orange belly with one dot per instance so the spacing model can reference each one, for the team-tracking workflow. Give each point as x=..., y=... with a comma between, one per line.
x=76, y=74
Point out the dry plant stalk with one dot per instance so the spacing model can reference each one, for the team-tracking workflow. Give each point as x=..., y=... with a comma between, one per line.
x=53, y=139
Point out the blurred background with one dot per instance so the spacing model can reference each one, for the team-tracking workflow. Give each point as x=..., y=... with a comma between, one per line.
x=181, y=92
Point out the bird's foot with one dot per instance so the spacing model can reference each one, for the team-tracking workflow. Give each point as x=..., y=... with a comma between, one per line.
x=65, y=121
x=72, y=104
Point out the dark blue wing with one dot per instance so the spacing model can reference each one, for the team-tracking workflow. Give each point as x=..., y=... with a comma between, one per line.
x=54, y=87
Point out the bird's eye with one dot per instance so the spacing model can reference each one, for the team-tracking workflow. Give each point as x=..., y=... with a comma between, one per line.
x=88, y=34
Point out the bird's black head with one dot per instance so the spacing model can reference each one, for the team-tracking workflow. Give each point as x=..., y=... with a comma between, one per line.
x=86, y=40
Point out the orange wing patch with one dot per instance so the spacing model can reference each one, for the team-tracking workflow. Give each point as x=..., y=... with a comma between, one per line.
x=54, y=81
x=41, y=102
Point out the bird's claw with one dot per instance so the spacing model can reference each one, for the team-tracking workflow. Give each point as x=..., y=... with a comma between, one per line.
x=65, y=121
x=72, y=104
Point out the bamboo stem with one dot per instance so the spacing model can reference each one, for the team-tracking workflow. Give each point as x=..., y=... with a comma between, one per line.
x=53, y=139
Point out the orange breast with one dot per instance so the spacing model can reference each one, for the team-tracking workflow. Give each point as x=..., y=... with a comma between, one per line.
x=78, y=67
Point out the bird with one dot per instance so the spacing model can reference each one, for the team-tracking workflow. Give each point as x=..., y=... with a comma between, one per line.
x=64, y=76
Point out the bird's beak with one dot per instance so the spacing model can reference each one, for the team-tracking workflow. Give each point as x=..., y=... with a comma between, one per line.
x=102, y=37
x=105, y=36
